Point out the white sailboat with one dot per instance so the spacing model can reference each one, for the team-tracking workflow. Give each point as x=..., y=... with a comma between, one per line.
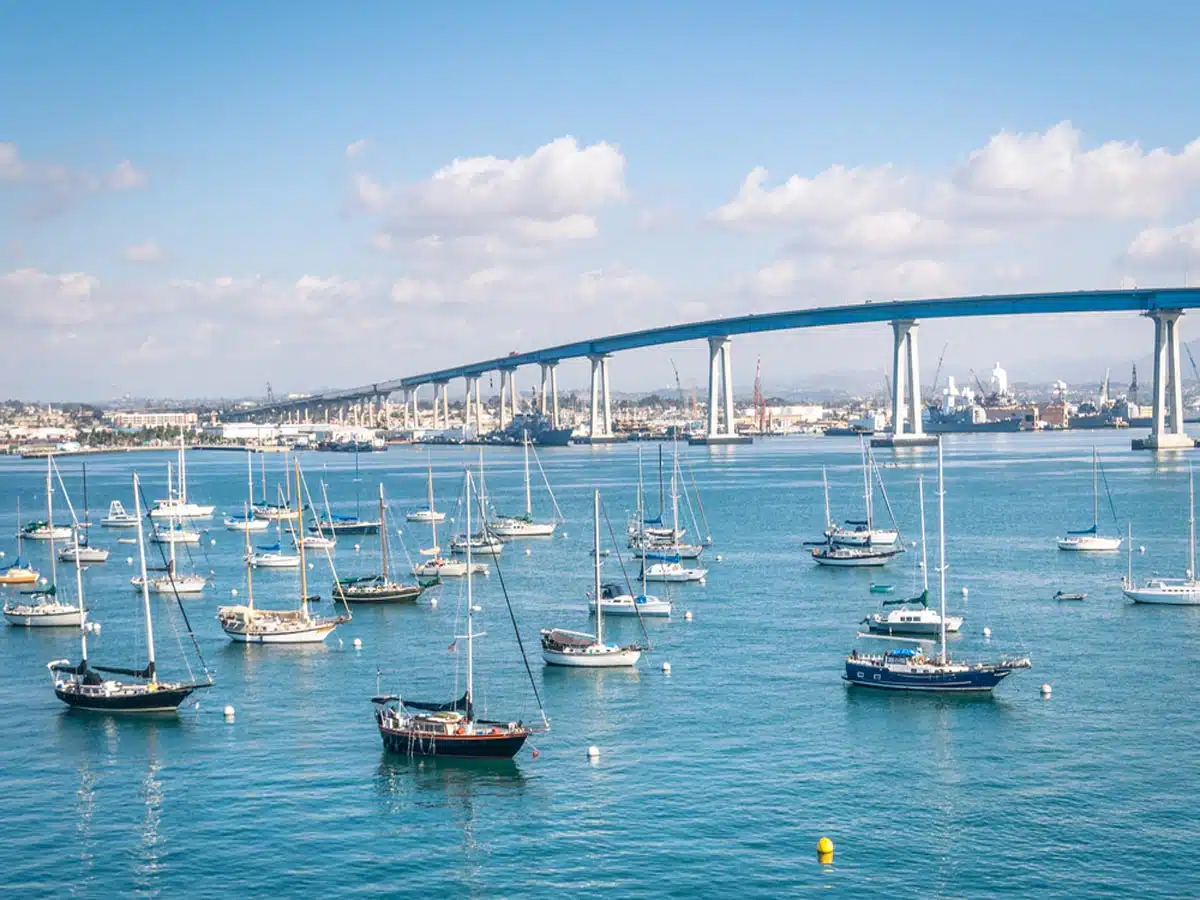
x=616, y=600
x=437, y=566
x=80, y=549
x=172, y=581
x=177, y=505
x=273, y=556
x=118, y=518
x=665, y=565
x=525, y=526
x=863, y=533
x=427, y=513
x=1169, y=591
x=663, y=541
x=1090, y=539
x=42, y=608
x=913, y=616
x=247, y=521
x=576, y=649
x=247, y=624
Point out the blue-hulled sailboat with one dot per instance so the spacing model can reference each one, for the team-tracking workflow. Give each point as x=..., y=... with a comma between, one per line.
x=909, y=669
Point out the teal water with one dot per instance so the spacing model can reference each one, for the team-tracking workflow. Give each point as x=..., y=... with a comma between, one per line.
x=715, y=780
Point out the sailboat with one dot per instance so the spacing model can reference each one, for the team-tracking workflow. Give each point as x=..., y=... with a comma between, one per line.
x=524, y=526
x=19, y=571
x=83, y=686
x=80, y=549
x=437, y=566
x=1169, y=591
x=427, y=513
x=171, y=581
x=659, y=544
x=377, y=587
x=41, y=608
x=1089, y=539
x=247, y=521
x=247, y=624
x=644, y=530
x=482, y=542
x=912, y=615
x=417, y=728
x=118, y=518
x=355, y=524
x=908, y=669
x=273, y=556
x=273, y=511
x=576, y=649
x=614, y=599
x=318, y=540
x=862, y=532
x=176, y=505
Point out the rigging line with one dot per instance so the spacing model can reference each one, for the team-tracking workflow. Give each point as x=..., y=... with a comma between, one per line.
x=321, y=534
x=546, y=481
x=1104, y=475
x=178, y=602
x=613, y=535
x=886, y=502
x=517, y=631
x=699, y=501
x=691, y=512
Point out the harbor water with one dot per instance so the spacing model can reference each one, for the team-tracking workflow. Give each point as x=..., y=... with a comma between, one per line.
x=716, y=779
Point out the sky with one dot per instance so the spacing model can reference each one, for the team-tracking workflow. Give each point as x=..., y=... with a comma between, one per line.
x=199, y=199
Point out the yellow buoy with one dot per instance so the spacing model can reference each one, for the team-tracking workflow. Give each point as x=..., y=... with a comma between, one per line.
x=824, y=851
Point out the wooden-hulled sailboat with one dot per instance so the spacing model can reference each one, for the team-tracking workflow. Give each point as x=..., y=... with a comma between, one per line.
x=451, y=729
x=1090, y=539
x=19, y=571
x=588, y=651
x=81, y=548
x=247, y=624
x=377, y=587
x=524, y=525
x=42, y=608
x=86, y=687
x=909, y=669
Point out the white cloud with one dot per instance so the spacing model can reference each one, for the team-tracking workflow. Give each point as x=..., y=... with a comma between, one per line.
x=836, y=194
x=357, y=148
x=617, y=281
x=146, y=252
x=896, y=231
x=775, y=279
x=1049, y=175
x=11, y=167
x=499, y=206
x=31, y=296
x=125, y=177
x=414, y=290
x=829, y=280
x=333, y=286
x=1167, y=246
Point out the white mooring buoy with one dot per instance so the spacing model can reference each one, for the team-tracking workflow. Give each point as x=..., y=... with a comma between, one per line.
x=687, y=616
x=593, y=752
x=1046, y=691
x=528, y=552
x=233, y=592
x=433, y=602
x=719, y=557
x=987, y=632
x=212, y=542
x=358, y=643
x=666, y=668
x=228, y=712
x=965, y=592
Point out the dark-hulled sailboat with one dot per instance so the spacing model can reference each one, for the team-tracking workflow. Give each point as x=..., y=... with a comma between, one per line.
x=86, y=687
x=419, y=728
x=380, y=587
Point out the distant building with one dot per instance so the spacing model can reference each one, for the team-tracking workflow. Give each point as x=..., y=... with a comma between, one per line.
x=136, y=421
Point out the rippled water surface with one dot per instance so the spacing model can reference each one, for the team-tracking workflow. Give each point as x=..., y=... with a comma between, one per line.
x=715, y=780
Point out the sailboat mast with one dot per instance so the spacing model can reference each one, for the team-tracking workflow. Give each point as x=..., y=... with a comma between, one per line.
x=1191, y=525
x=641, y=512
x=249, y=483
x=866, y=483
x=942, y=551
x=383, y=535
x=1129, y=554
x=825, y=482
x=528, y=495
x=300, y=543
x=357, y=485
x=662, y=506
x=137, y=512
x=249, y=562
x=263, y=468
x=182, y=469
x=1095, y=494
x=79, y=582
x=50, y=523
x=921, y=501
x=596, y=566
x=433, y=518
x=470, y=600
x=86, y=516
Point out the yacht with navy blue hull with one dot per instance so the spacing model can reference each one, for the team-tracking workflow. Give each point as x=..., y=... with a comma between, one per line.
x=909, y=669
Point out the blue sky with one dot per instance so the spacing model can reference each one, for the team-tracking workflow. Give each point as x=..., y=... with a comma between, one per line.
x=199, y=199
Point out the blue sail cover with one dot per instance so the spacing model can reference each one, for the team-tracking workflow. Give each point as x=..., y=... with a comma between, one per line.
x=270, y=548
x=1091, y=530
x=664, y=557
x=903, y=651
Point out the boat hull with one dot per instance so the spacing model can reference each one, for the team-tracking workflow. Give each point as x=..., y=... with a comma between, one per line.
x=1090, y=544
x=965, y=681
x=399, y=594
x=65, y=619
x=475, y=746
x=20, y=576
x=852, y=562
x=143, y=700
x=522, y=530
x=654, y=609
x=609, y=660
x=314, y=634
x=1157, y=597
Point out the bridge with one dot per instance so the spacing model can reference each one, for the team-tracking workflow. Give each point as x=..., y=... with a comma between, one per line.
x=1164, y=307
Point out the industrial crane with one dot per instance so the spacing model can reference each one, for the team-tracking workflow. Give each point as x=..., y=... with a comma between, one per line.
x=937, y=373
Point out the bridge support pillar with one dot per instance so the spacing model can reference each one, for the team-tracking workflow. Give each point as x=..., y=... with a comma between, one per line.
x=505, y=379
x=405, y=415
x=722, y=419
x=906, y=390
x=514, y=395
x=1166, y=424
x=600, y=428
x=549, y=398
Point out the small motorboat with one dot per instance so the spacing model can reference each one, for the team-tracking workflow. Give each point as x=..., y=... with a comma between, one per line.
x=1070, y=595
x=883, y=588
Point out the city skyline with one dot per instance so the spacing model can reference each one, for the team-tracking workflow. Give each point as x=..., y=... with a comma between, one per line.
x=198, y=202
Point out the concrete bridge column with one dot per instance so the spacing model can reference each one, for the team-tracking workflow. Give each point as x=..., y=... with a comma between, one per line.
x=504, y=379
x=445, y=405
x=720, y=389
x=513, y=393
x=406, y=415
x=1166, y=429
x=906, y=389
x=600, y=425
x=468, y=403
x=543, y=404
x=554, y=395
